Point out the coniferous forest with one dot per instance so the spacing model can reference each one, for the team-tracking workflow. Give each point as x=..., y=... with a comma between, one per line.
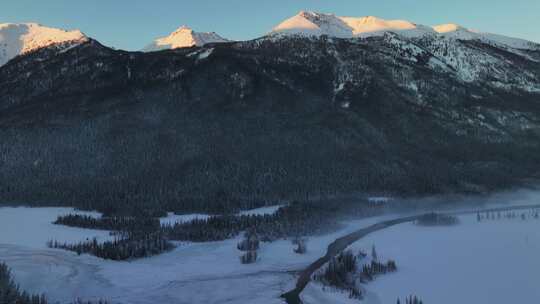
x=137, y=237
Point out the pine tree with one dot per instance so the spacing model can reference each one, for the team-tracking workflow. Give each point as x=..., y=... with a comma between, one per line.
x=374, y=256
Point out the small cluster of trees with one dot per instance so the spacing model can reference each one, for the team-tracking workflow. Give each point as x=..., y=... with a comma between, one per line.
x=132, y=247
x=411, y=300
x=343, y=271
x=369, y=271
x=498, y=215
x=340, y=273
x=10, y=293
x=436, y=219
x=249, y=245
x=301, y=245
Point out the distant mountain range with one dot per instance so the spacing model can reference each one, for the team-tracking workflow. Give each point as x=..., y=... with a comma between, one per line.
x=16, y=39
x=321, y=105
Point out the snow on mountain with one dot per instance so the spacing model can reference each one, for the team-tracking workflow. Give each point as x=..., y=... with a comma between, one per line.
x=184, y=37
x=371, y=26
x=318, y=24
x=455, y=31
x=314, y=24
x=21, y=38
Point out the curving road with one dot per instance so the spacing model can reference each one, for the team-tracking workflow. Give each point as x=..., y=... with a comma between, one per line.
x=340, y=244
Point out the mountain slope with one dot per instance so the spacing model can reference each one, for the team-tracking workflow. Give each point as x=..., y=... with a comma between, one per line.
x=458, y=32
x=282, y=117
x=184, y=37
x=17, y=39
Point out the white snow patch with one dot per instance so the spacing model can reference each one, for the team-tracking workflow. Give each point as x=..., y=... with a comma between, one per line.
x=340, y=87
x=205, y=54
x=262, y=210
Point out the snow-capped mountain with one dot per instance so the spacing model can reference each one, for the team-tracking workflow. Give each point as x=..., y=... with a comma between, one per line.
x=21, y=38
x=183, y=37
x=371, y=26
x=314, y=24
x=347, y=114
x=318, y=24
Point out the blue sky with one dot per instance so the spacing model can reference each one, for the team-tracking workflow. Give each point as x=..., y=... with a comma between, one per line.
x=131, y=24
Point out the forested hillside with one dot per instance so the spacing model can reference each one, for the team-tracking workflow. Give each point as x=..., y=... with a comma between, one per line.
x=239, y=125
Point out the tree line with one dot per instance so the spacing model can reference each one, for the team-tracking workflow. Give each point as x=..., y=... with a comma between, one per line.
x=116, y=223
x=141, y=236
x=533, y=213
x=131, y=247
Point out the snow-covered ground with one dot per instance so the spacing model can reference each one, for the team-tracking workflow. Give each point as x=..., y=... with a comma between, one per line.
x=488, y=262
x=465, y=263
x=32, y=227
x=192, y=273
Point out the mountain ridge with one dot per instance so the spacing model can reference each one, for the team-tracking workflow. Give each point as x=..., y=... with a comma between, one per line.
x=304, y=23
x=317, y=24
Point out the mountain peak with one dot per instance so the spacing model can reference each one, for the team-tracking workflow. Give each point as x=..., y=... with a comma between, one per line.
x=316, y=24
x=183, y=29
x=184, y=37
x=307, y=23
x=21, y=38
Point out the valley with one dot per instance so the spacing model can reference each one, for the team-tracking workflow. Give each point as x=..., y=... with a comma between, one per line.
x=325, y=159
x=211, y=272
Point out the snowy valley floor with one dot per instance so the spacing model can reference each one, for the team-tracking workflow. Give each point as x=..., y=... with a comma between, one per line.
x=489, y=262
